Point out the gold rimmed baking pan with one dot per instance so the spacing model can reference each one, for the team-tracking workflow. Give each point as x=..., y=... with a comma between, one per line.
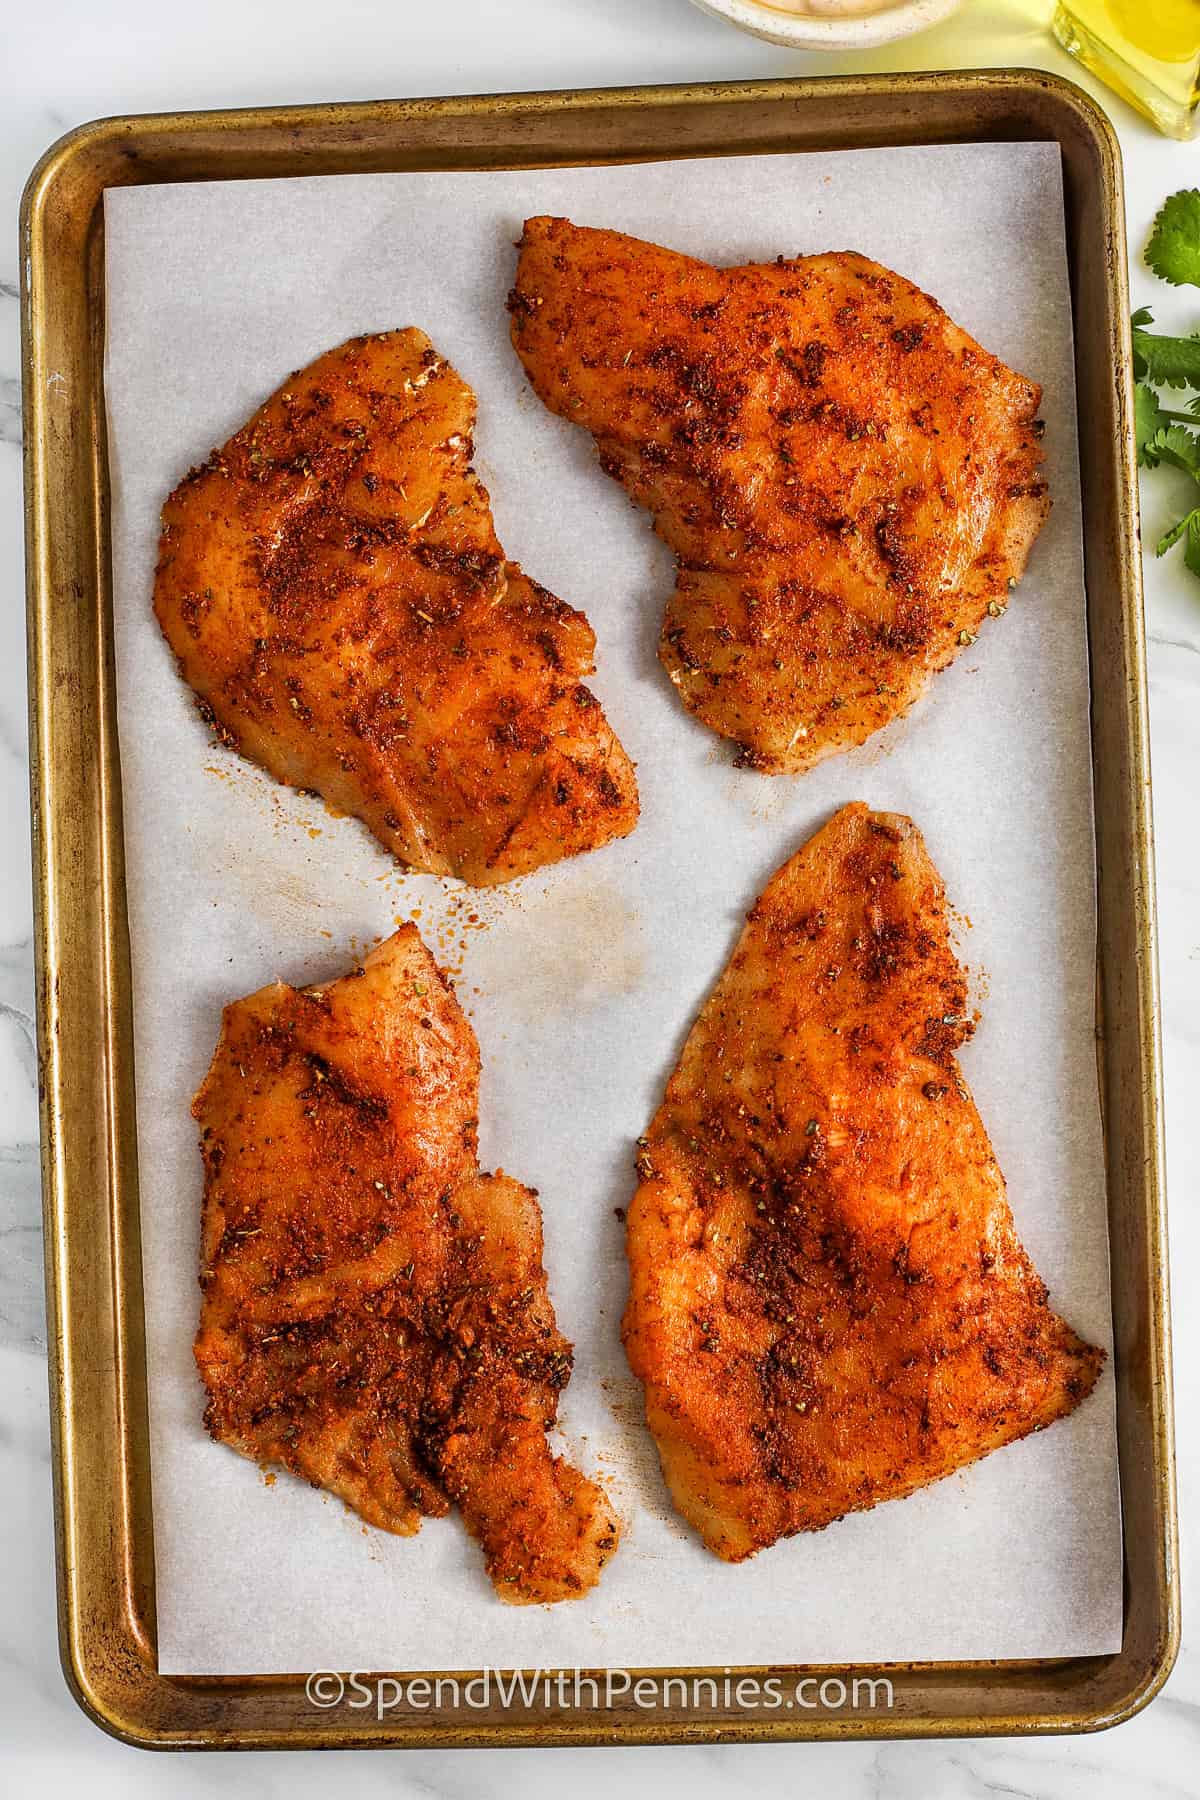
x=89, y=1157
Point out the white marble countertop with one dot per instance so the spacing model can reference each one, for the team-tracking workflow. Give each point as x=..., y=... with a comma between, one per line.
x=66, y=61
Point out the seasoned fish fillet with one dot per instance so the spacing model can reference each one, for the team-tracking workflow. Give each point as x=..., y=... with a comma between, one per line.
x=375, y=1314
x=849, y=483
x=829, y=1305
x=333, y=587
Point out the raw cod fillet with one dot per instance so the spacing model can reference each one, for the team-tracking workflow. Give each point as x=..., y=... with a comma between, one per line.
x=375, y=1312
x=333, y=587
x=829, y=1304
x=849, y=483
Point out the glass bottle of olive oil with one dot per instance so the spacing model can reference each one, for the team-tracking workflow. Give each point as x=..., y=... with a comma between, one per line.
x=1148, y=50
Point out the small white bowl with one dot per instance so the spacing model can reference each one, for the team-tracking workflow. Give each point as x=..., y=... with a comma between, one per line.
x=846, y=26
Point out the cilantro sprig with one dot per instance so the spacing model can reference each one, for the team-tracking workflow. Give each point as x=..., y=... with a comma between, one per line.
x=1166, y=434
x=1174, y=248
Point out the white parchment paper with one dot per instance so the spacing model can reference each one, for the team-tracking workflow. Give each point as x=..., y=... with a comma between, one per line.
x=582, y=981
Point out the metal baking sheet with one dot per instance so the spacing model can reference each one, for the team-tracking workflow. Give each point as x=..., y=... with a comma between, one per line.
x=555, y=129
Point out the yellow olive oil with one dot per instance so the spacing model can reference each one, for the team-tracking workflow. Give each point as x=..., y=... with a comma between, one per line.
x=1148, y=50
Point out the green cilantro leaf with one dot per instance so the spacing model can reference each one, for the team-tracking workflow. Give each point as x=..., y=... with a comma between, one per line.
x=1165, y=435
x=1170, y=538
x=1174, y=248
x=1166, y=361
x=1178, y=447
x=1148, y=420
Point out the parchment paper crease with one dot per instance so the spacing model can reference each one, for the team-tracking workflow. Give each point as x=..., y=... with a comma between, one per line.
x=582, y=982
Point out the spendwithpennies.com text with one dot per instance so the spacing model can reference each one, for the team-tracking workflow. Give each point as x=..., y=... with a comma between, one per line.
x=610, y=1689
